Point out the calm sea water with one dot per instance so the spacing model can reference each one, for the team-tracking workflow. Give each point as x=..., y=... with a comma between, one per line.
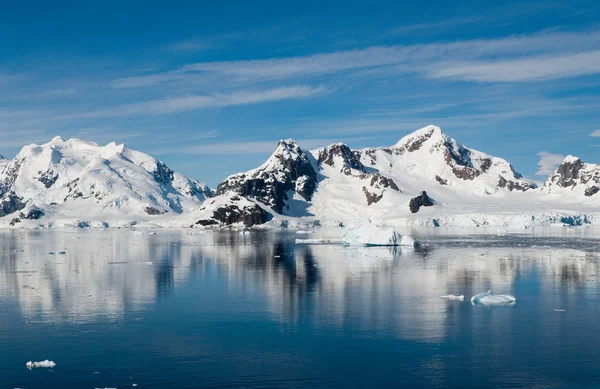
x=181, y=310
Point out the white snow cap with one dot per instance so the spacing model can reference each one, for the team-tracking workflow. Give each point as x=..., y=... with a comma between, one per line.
x=48, y=364
x=570, y=159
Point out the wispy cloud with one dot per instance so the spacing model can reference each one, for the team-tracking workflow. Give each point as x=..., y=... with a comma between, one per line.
x=525, y=69
x=548, y=163
x=190, y=103
x=482, y=60
x=595, y=133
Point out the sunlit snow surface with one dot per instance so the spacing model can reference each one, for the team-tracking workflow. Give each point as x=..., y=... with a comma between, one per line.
x=198, y=309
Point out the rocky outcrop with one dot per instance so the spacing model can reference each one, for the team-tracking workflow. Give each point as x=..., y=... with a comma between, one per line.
x=592, y=190
x=513, y=185
x=47, y=178
x=422, y=200
x=154, y=211
x=11, y=203
x=441, y=180
x=576, y=176
x=465, y=172
x=372, y=197
x=340, y=155
x=288, y=169
x=231, y=209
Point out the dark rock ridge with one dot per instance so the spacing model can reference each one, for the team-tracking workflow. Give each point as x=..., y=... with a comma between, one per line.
x=592, y=190
x=512, y=185
x=47, y=178
x=350, y=160
x=288, y=169
x=154, y=211
x=341, y=154
x=568, y=173
x=234, y=212
x=11, y=203
x=441, y=180
x=573, y=172
x=34, y=213
x=420, y=201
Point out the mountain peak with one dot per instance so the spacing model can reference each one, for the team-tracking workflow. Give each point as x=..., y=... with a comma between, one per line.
x=571, y=159
x=414, y=140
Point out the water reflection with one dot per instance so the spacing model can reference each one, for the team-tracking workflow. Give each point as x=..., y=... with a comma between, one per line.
x=106, y=273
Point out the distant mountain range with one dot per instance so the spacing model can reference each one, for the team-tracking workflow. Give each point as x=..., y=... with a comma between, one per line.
x=426, y=179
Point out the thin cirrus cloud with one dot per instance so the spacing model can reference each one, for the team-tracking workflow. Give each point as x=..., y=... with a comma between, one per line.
x=562, y=54
x=595, y=134
x=529, y=69
x=190, y=103
x=548, y=163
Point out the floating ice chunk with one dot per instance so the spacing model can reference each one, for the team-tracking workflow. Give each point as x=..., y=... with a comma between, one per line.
x=488, y=298
x=146, y=263
x=560, y=310
x=33, y=365
x=367, y=234
x=312, y=241
x=453, y=297
x=304, y=232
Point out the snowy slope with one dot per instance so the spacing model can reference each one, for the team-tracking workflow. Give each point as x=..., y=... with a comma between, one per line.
x=83, y=181
x=426, y=179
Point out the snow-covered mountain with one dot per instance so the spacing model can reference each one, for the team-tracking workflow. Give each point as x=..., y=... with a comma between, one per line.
x=574, y=179
x=426, y=179
x=81, y=181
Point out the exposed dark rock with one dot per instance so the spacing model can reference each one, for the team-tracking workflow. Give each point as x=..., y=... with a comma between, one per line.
x=441, y=180
x=11, y=203
x=486, y=163
x=415, y=144
x=372, y=197
x=378, y=180
x=162, y=173
x=47, y=178
x=465, y=172
x=512, y=185
x=154, y=211
x=568, y=172
x=420, y=201
x=33, y=213
x=249, y=215
x=15, y=221
x=207, y=222
x=270, y=187
x=592, y=190
x=351, y=160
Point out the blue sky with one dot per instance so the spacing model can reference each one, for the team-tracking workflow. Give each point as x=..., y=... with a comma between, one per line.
x=209, y=87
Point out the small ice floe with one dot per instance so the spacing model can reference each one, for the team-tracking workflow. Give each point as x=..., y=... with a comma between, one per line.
x=453, y=297
x=312, y=241
x=488, y=298
x=244, y=232
x=368, y=234
x=560, y=310
x=51, y=253
x=146, y=263
x=34, y=365
x=304, y=232
x=62, y=252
